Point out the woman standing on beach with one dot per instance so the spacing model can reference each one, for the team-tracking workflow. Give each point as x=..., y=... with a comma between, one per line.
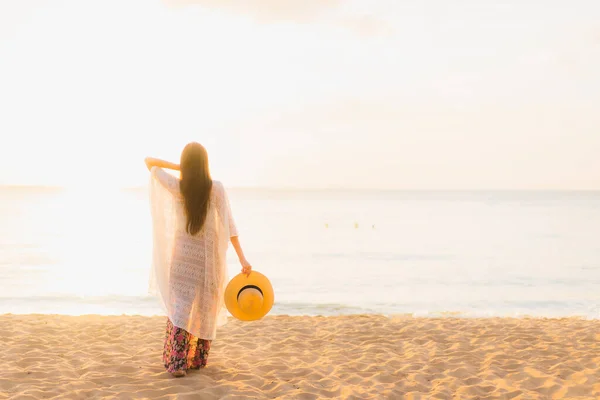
x=192, y=227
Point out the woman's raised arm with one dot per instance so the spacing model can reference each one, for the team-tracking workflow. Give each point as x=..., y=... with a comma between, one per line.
x=157, y=162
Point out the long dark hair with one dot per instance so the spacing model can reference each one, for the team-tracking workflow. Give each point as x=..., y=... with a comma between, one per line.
x=195, y=185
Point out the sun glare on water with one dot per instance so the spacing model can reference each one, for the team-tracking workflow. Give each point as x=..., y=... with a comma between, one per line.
x=100, y=243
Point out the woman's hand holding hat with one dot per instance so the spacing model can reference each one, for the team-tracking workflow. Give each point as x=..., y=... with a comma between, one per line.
x=246, y=267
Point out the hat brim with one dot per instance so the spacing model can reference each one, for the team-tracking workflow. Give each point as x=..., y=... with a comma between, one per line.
x=238, y=283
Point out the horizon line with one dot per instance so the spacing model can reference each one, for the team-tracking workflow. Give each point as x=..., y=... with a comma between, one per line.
x=312, y=189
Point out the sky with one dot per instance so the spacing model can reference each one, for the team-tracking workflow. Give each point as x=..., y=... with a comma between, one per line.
x=303, y=93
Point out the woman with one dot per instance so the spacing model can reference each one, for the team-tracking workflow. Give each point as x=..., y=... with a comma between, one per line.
x=192, y=227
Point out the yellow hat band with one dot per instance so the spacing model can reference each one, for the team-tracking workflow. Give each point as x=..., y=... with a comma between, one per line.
x=248, y=287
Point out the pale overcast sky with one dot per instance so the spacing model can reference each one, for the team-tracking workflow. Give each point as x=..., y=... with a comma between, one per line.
x=304, y=93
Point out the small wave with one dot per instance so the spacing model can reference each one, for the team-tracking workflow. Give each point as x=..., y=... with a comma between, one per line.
x=149, y=306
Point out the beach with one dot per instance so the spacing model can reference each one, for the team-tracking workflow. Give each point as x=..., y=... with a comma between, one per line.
x=419, y=184
x=283, y=357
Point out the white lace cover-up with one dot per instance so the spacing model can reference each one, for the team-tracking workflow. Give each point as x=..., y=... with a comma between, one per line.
x=189, y=273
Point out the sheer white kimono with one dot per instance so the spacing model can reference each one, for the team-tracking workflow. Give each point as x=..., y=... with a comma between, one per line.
x=189, y=273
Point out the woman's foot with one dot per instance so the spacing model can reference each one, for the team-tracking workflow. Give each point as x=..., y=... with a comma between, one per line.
x=178, y=374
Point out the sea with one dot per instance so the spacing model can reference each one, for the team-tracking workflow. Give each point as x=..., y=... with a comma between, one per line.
x=326, y=252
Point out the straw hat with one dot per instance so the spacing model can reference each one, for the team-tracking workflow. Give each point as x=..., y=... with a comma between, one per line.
x=249, y=298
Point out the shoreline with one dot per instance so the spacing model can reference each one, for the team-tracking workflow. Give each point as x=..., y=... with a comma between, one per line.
x=352, y=356
x=434, y=316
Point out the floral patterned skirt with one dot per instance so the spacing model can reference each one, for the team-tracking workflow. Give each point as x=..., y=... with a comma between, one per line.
x=183, y=350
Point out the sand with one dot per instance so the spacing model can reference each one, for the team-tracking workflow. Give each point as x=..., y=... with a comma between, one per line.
x=349, y=357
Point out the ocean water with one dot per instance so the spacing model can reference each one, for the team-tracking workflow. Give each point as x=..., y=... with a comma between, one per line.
x=326, y=252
